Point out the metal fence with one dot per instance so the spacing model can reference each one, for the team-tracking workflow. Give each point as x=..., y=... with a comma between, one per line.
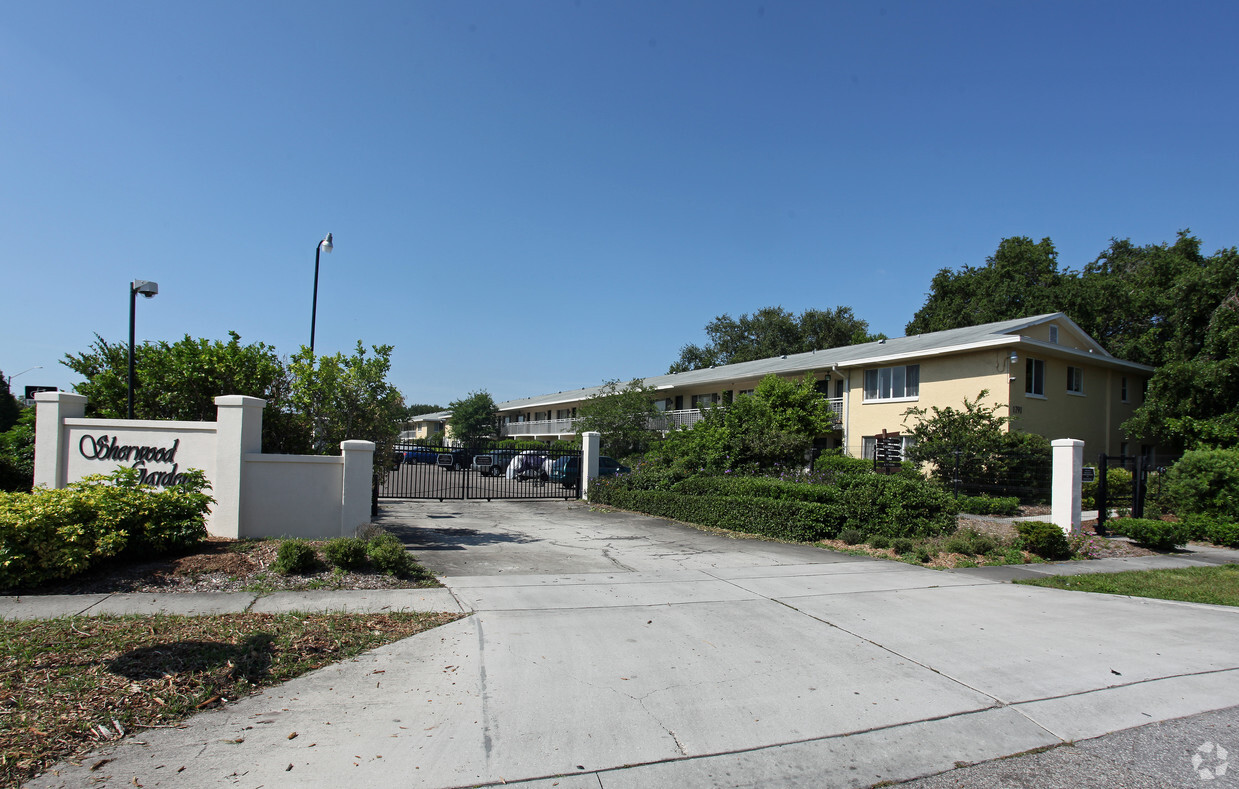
x=1024, y=475
x=481, y=471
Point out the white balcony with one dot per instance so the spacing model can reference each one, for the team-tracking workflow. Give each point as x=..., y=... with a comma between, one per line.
x=666, y=420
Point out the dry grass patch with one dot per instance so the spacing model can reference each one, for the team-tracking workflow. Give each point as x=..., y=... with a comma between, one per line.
x=70, y=685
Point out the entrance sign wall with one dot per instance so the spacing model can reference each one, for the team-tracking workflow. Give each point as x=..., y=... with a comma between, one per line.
x=256, y=495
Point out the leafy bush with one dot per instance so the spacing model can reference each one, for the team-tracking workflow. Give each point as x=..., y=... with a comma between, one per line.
x=958, y=543
x=55, y=533
x=1044, y=539
x=872, y=503
x=1205, y=482
x=988, y=505
x=852, y=536
x=1118, y=486
x=387, y=553
x=903, y=545
x=1158, y=535
x=295, y=557
x=799, y=521
x=347, y=553
x=924, y=554
x=833, y=465
x=983, y=544
x=879, y=541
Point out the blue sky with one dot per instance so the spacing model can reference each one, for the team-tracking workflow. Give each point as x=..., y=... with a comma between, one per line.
x=536, y=196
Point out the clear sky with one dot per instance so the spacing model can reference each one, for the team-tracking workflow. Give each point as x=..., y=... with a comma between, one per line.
x=535, y=196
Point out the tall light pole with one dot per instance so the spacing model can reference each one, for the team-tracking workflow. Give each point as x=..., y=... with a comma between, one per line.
x=147, y=289
x=324, y=245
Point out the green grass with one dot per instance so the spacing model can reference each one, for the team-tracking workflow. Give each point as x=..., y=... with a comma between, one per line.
x=1216, y=585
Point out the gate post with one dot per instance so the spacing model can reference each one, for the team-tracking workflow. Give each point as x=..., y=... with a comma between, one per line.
x=590, y=446
x=50, y=452
x=1103, y=493
x=1068, y=454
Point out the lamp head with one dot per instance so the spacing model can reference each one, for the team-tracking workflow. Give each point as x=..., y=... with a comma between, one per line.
x=146, y=288
x=1015, y=357
x=326, y=243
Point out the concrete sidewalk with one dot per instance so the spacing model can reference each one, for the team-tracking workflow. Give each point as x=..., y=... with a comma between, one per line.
x=373, y=601
x=672, y=657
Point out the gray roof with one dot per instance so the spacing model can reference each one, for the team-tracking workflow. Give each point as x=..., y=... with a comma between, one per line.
x=870, y=353
x=437, y=416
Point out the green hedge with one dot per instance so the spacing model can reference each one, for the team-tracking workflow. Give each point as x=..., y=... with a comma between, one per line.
x=801, y=521
x=988, y=505
x=1205, y=482
x=49, y=534
x=1158, y=535
x=869, y=503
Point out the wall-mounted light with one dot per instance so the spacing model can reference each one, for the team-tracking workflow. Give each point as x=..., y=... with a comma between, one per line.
x=1015, y=357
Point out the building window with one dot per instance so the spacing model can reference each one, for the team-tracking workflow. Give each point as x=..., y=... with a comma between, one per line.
x=563, y=413
x=744, y=392
x=1053, y=334
x=893, y=383
x=1075, y=380
x=701, y=400
x=1034, y=377
x=1123, y=389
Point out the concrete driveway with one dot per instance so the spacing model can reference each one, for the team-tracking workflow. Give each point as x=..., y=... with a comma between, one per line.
x=613, y=650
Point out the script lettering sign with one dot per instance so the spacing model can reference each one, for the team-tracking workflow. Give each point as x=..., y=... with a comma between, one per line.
x=109, y=448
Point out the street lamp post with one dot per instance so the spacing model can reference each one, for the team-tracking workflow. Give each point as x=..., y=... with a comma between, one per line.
x=147, y=289
x=324, y=245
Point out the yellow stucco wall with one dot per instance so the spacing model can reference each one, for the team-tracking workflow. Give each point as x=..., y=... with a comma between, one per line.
x=944, y=381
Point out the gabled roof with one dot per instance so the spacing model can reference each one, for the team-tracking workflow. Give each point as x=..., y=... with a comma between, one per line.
x=437, y=416
x=1000, y=333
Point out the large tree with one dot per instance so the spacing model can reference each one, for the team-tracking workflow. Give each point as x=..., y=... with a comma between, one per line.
x=1021, y=278
x=1166, y=305
x=770, y=332
x=181, y=380
x=773, y=426
x=348, y=397
x=622, y=416
x=474, y=417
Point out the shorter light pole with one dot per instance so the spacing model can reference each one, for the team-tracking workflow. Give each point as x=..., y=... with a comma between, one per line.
x=324, y=245
x=147, y=289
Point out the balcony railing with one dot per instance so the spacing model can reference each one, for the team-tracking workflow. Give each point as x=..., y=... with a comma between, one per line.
x=667, y=420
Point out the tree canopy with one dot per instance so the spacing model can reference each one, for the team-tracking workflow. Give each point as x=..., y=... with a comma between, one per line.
x=348, y=397
x=474, y=417
x=1166, y=305
x=181, y=380
x=770, y=332
x=622, y=416
x=773, y=426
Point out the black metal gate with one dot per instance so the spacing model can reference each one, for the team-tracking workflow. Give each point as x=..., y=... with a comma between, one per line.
x=483, y=471
x=1113, y=494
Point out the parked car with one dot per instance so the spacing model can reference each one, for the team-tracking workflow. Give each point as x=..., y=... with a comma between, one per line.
x=567, y=470
x=421, y=455
x=493, y=463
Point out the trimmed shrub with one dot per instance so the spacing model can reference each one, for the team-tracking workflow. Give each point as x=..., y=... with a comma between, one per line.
x=49, y=534
x=832, y=465
x=879, y=541
x=924, y=554
x=1044, y=539
x=347, y=553
x=852, y=536
x=1158, y=535
x=871, y=503
x=903, y=546
x=295, y=557
x=1205, y=482
x=958, y=543
x=387, y=553
x=988, y=505
x=983, y=544
x=798, y=521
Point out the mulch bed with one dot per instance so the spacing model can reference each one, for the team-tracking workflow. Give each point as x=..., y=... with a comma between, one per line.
x=217, y=564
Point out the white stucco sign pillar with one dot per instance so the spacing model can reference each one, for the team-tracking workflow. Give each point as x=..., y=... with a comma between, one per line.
x=239, y=431
x=1068, y=454
x=50, y=447
x=590, y=450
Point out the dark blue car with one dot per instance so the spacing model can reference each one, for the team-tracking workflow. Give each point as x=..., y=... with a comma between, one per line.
x=567, y=471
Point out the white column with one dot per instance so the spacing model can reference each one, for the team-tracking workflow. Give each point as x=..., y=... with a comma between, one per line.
x=357, y=483
x=1068, y=454
x=590, y=444
x=51, y=456
x=238, y=430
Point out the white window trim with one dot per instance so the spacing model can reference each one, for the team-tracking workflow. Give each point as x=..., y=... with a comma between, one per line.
x=1032, y=396
x=1077, y=394
x=876, y=400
